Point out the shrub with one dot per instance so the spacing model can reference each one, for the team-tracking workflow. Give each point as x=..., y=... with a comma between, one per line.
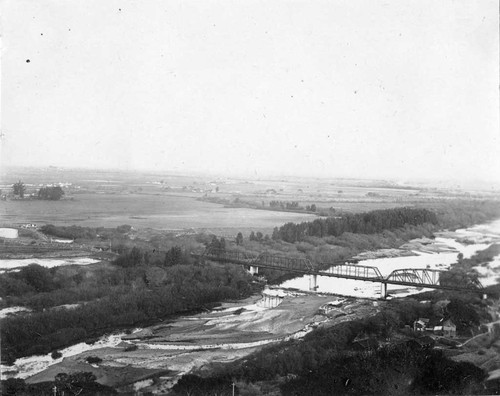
x=93, y=359
x=131, y=347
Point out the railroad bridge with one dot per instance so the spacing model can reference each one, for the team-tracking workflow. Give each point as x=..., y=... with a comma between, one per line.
x=348, y=269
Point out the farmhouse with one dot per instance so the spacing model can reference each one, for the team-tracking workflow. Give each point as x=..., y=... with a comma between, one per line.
x=445, y=328
x=449, y=329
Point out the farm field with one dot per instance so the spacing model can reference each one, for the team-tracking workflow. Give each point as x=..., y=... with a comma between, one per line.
x=162, y=201
x=179, y=202
x=166, y=212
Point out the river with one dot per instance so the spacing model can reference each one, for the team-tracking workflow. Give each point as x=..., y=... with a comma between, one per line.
x=448, y=244
x=16, y=264
x=30, y=365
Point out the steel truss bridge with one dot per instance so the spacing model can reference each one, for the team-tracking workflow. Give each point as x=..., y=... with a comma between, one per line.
x=349, y=269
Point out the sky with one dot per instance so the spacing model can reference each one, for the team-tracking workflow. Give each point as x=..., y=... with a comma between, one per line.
x=326, y=88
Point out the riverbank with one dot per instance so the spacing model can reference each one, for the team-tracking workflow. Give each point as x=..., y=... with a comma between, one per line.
x=197, y=341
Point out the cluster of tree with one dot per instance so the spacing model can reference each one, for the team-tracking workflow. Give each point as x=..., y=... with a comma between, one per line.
x=19, y=189
x=217, y=244
x=457, y=277
x=144, y=257
x=258, y=236
x=40, y=288
x=218, y=200
x=401, y=369
x=46, y=193
x=70, y=232
x=194, y=385
x=465, y=213
x=30, y=279
x=361, y=223
x=481, y=257
x=294, y=205
x=124, y=228
x=129, y=295
x=254, y=236
x=51, y=193
x=311, y=208
x=78, y=232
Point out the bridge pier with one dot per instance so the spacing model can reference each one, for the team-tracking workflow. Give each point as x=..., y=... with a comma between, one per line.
x=254, y=270
x=383, y=290
x=313, y=282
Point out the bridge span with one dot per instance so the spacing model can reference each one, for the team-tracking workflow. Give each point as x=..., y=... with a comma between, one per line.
x=348, y=269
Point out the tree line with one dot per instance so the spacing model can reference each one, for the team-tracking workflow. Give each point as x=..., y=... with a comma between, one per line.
x=78, y=232
x=51, y=193
x=293, y=205
x=360, y=223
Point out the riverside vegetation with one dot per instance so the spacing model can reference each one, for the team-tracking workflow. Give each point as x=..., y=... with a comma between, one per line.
x=129, y=293
x=147, y=282
x=391, y=359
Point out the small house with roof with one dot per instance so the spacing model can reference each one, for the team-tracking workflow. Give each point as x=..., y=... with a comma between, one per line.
x=420, y=324
x=446, y=328
x=449, y=329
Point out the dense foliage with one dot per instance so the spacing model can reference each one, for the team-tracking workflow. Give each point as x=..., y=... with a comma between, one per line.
x=19, y=189
x=131, y=293
x=400, y=369
x=70, y=232
x=196, y=386
x=51, y=193
x=455, y=214
x=88, y=233
x=360, y=223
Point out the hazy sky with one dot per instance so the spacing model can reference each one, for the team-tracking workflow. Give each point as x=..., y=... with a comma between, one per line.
x=362, y=88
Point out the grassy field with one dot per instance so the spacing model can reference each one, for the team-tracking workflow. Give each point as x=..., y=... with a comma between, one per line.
x=169, y=201
x=168, y=212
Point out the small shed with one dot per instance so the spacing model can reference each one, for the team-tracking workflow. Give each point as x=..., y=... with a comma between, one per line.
x=420, y=324
x=438, y=330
